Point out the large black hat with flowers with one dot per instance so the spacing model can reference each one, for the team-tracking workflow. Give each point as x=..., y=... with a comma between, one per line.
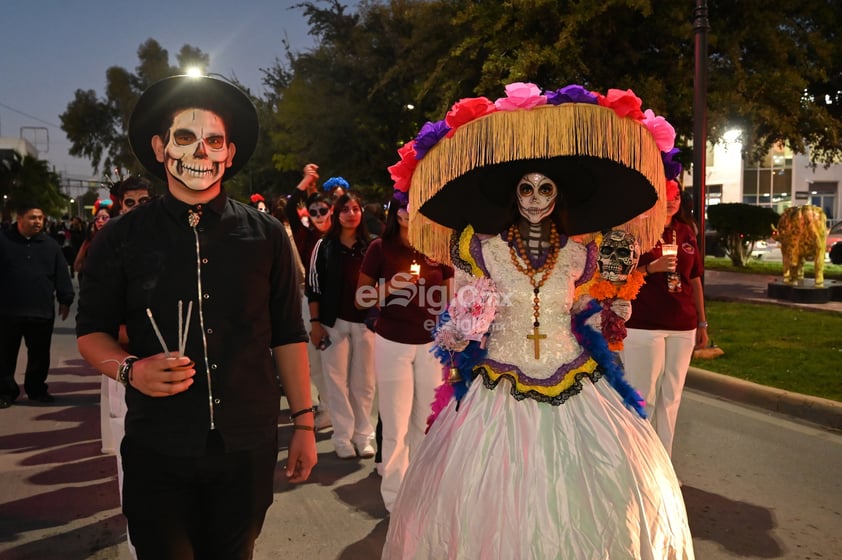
x=157, y=106
x=604, y=153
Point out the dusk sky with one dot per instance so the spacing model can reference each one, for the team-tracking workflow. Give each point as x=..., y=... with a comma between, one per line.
x=51, y=48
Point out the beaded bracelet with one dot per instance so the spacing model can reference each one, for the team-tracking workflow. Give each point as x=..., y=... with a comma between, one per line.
x=302, y=412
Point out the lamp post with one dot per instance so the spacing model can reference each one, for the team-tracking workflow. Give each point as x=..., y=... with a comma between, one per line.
x=701, y=25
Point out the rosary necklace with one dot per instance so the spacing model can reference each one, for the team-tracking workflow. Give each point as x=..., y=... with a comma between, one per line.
x=524, y=266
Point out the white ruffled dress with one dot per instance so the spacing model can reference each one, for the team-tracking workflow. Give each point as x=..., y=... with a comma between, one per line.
x=539, y=461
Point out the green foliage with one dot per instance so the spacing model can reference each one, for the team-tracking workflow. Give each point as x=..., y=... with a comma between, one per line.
x=740, y=226
x=377, y=74
x=33, y=181
x=97, y=126
x=778, y=346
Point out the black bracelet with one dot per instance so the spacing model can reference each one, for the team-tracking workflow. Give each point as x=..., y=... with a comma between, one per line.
x=315, y=320
x=302, y=412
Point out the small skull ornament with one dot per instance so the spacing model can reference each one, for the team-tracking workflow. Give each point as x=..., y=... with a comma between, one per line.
x=536, y=197
x=618, y=256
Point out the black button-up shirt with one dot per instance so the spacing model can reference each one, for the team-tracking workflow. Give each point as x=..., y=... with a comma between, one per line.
x=238, y=270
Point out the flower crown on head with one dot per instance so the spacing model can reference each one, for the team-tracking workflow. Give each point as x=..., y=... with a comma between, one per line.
x=528, y=124
x=523, y=95
x=104, y=204
x=334, y=182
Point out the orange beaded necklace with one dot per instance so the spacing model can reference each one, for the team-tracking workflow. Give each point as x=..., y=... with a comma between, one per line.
x=524, y=266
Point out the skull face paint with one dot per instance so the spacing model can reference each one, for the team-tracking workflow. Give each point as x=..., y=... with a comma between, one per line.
x=536, y=197
x=618, y=255
x=197, y=152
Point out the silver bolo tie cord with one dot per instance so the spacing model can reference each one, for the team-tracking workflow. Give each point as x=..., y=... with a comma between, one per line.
x=202, y=326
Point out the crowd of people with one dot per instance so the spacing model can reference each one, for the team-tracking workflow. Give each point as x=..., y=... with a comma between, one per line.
x=525, y=395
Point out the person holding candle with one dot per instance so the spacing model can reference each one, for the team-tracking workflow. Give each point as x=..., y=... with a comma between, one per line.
x=338, y=328
x=200, y=448
x=668, y=319
x=411, y=291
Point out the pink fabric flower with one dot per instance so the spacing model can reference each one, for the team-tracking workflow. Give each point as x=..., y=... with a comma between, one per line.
x=466, y=110
x=624, y=103
x=663, y=131
x=521, y=95
x=401, y=172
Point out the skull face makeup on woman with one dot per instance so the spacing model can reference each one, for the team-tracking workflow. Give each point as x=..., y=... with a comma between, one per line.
x=196, y=152
x=536, y=197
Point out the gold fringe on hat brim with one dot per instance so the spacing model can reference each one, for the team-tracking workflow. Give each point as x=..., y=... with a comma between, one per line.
x=572, y=129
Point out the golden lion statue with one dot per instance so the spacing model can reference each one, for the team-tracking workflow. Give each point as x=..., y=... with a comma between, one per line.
x=802, y=231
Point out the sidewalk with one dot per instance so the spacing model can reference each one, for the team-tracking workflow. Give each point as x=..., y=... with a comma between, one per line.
x=59, y=492
x=735, y=286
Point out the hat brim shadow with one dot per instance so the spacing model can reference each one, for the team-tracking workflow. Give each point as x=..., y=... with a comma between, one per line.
x=596, y=194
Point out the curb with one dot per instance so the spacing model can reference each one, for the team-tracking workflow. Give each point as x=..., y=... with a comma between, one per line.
x=823, y=412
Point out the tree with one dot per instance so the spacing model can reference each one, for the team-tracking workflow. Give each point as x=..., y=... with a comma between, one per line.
x=97, y=127
x=740, y=226
x=33, y=181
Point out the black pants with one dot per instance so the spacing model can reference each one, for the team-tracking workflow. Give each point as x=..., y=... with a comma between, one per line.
x=38, y=335
x=196, y=508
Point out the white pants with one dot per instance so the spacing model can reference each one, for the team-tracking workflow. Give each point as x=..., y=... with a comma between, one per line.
x=112, y=418
x=407, y=377
x=656, y=363
x=314, y=355
x=348, y=368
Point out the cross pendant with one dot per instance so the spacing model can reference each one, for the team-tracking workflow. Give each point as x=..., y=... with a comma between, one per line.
x=536, y=337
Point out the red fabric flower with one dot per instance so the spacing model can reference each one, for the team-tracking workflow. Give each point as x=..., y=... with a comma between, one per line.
x=257, y=197
x=466, y=110
x=402, y=171
x=624, y=103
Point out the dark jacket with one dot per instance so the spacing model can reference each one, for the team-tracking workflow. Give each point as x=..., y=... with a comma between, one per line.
x=325, y=278
x=33, y=273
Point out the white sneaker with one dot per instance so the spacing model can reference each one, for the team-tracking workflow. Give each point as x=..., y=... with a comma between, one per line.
x=345, y=450
x=322, y=420
x=366, y=451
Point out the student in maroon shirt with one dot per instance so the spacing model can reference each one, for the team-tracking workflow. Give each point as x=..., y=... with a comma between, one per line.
x=667, y=323
x=411, y=291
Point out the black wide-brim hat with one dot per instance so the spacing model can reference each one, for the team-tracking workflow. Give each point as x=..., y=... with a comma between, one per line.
x=608, y=170
x=156, y=107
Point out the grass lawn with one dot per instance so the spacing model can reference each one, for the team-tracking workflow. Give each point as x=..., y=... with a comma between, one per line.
x=774, y=345
x=759, y=266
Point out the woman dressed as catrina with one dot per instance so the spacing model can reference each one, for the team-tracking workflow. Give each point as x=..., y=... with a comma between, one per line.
x=537, y=447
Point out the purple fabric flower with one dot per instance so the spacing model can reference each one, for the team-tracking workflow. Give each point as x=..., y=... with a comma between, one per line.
x=672, y=169
x=571, y=94
x=428, y=136
x=401, y=196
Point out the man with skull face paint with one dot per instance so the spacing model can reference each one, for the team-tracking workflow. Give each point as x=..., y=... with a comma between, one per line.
x=200, y=444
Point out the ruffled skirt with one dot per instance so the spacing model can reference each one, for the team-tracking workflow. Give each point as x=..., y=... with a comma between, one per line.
x=506, y=479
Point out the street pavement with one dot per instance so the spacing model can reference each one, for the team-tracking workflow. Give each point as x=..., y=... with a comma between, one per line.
x=58, y=498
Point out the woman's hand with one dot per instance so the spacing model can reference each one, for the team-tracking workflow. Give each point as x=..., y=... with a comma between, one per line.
x=665, y=263
x=317, y=332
